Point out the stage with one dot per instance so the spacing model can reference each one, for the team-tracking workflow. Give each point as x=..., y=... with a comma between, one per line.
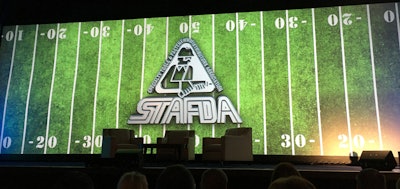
x=41, y=170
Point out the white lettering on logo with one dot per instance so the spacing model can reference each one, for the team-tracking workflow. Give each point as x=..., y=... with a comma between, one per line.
x=162, y=110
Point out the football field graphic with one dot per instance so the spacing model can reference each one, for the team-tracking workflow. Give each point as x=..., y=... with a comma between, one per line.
x=321, y=81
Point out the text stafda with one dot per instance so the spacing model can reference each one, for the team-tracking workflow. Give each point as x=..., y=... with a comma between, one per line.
x=162, y=110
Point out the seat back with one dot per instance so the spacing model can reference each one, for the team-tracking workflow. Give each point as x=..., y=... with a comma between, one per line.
x=178, y=136
x=239, y=131
x=237, y=144
x=234, y=145
x=112, y=138
x=122, y=136
x=185, y=137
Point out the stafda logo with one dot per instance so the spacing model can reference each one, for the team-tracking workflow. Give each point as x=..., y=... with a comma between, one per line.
x=185, y=72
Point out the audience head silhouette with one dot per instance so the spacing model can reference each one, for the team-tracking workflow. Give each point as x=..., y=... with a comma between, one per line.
x=370, y=178
x=74, y=180
x=175, y=176
x=214, y=178
x=284, y=169
x=132, y=180
x=291, y=182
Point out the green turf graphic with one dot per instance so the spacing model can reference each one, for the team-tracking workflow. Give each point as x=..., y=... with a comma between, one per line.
x=318, y=81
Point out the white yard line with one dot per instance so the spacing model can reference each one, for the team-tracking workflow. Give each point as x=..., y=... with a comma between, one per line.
x=213, y=60
x=263, y=82
x=289, y=83
x=371, y=45
x=121, y=57
x=350, y=137
x=29, y=91
x=51, y=90
x=8, y=87
x=143, y=64
x=321, y=144
x=96, y=89
x=71, y=117
x=237, y=65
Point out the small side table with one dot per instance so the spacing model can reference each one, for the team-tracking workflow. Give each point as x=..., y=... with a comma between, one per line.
x=176, y=147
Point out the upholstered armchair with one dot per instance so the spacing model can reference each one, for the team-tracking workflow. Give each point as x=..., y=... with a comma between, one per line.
x=235, y=145
x=184, y=141
x=117, y=140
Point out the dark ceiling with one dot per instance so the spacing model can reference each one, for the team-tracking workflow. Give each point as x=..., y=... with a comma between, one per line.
x=45, y=11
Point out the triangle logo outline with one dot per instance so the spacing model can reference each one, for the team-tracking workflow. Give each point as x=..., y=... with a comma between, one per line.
x=187, y=70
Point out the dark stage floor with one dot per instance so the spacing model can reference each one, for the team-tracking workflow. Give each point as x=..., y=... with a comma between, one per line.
x=324, y=172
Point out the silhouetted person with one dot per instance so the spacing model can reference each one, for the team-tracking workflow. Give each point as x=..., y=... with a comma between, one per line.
x=175, y=176
x=132, y=180
x=214, y=178
x=370, y=178
x=291, y=182
x=284, y=169
x=74, y=180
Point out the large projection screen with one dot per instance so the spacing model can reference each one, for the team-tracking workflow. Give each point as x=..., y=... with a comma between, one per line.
x=312, y=81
